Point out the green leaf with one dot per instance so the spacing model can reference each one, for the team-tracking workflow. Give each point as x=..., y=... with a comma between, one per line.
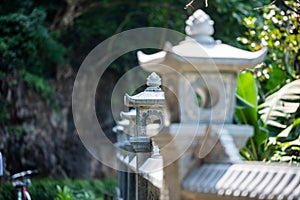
x=247, y=153
x=247, y=109
x=242, y=103
x=247, y=89
x=247, y=93
x=286, y=132
x=280, y=104
x=261, y=136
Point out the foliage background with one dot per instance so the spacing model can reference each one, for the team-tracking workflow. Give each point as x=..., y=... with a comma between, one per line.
x=47, y=189
x=273, y=92
x=43, y=40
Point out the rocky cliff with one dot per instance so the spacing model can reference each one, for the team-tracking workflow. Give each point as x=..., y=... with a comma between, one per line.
x=36, y=135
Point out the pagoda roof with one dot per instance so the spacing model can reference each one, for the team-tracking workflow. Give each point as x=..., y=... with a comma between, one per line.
x=150, y=96
x=145, y=98
x=128, y=115
x=254, y=180
x=200, y=51
x=191, y=52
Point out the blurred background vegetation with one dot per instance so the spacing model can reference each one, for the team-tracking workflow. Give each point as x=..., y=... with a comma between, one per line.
x=64, y=189
x=43, y=43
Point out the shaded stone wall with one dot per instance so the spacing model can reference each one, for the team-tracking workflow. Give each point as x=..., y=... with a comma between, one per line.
x=38, y=136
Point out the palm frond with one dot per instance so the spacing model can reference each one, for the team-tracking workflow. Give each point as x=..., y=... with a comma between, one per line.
x=281, y=105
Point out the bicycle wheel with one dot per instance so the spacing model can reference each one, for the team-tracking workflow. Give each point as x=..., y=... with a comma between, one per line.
x=27, y=196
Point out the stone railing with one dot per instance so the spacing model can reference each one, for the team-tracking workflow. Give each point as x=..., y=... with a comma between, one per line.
x=140, y=164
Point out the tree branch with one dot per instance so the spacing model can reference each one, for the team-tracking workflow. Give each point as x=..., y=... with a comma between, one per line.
x=289, y=7
x=190, y=4
x=283, y=3
x=265, y=6
x=74, y=8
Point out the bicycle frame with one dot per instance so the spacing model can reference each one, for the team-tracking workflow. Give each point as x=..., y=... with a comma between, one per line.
x=23, y=194
x=21, y=182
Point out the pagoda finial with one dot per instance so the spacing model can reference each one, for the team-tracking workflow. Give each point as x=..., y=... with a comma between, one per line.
x=153, y=82
x=200, y=27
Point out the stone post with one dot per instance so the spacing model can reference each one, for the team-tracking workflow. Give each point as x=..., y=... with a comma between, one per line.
x=149, y=106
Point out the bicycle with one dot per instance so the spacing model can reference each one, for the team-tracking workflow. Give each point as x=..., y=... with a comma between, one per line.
x=21, y=182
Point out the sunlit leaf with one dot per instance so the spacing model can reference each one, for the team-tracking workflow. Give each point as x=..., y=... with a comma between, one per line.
x=287, y=131
x=277, y=106
x=242, y=103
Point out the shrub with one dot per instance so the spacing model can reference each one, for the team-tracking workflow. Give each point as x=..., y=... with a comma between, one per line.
x=50, y=189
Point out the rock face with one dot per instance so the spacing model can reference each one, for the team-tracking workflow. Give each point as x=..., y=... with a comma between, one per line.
x=37, y=136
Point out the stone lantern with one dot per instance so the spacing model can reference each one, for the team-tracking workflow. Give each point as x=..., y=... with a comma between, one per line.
x=149, y=107
x=208, y=72
x=129, y=117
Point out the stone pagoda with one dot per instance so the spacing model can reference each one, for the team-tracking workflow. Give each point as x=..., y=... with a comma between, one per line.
x=197, y=155
x=202, y=67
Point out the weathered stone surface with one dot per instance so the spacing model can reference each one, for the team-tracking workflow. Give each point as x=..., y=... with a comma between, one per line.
x=46, y=138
